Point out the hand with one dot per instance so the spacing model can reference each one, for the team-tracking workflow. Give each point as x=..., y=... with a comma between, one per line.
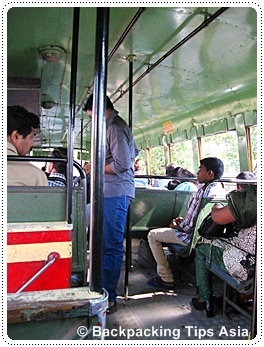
x=175, y=223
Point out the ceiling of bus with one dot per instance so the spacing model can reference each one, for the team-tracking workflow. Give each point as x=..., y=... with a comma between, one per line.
x=211, y=76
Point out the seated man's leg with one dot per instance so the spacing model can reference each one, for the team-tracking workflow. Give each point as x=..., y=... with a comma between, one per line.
x=156, y=237
x=203, y=275
x=203, y=281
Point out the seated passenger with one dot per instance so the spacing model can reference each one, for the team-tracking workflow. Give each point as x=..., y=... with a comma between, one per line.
x=180, y=229
x=57, y=169
x=139, y=169
x=181, y=184
x=245, y=175
x=241, y=209
x=21, y=129
x=163, y=182
x=87, y=168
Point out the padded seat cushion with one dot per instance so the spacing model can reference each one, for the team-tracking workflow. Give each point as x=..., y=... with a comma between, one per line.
x=176, y=248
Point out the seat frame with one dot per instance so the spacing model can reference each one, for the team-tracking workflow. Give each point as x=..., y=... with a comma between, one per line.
x=245, y=287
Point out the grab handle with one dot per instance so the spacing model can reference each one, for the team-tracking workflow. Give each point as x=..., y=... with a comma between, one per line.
x=51, y=258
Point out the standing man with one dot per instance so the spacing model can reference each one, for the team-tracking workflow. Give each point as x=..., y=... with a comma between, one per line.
x=21, y=129
x=119, y=190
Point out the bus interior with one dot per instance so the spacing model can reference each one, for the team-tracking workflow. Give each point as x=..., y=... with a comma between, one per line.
x=185, y=80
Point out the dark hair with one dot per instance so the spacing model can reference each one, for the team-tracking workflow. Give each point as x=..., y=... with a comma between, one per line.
x=245, y=175
x=89, y=103
x=214, y=164
x=169, y=168
x=20, y=119
x=179, y=172
x=60, y=166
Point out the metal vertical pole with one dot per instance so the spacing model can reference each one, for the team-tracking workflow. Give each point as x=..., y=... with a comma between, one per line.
x=130, y=100
x=254, y=311
x=82, y=142
x=128, y=236
x=71, y=125
x=98, y=151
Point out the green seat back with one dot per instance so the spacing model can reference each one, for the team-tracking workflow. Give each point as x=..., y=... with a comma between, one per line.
x=48, y=204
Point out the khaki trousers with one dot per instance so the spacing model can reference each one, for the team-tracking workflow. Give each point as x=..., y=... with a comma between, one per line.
x=156, y=237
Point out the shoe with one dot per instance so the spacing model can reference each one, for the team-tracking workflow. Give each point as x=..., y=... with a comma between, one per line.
x=218, y=301
x=158, y=282
x=112, y=308
x=205, y=305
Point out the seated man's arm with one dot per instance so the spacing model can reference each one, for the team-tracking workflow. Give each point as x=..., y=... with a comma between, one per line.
x=222, y=215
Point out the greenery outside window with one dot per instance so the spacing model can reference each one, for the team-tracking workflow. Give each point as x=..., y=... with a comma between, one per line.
x=225, y=147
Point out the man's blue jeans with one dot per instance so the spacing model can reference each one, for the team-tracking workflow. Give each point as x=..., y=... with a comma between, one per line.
x=115, y=216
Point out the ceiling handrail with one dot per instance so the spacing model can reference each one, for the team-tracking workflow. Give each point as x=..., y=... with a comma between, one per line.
x=115, y=48
x=204, y=24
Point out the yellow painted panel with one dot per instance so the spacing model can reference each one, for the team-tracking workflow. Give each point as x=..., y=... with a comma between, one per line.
x=37, y=251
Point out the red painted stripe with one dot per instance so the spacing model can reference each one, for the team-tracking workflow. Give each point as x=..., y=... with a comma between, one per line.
x=57, y=276
x=14, y=238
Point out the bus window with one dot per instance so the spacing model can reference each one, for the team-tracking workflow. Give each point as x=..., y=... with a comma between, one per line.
x=225, y=147
x=157, y=161
x=178, y=154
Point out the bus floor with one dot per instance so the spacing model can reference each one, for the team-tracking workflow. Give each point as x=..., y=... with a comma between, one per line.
x=147, y=313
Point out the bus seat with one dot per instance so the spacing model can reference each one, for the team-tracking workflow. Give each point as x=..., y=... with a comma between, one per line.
x=230, y=282
x=178, y=249
x=79, y=238
x=48, y=204
x=39, y=256
x=35, y=204
x=155, y=208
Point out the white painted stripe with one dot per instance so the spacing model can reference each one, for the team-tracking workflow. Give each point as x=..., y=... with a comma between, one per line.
x=45, y=226
x=37, y=251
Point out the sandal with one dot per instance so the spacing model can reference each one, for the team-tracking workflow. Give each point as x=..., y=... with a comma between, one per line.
x=158, y=282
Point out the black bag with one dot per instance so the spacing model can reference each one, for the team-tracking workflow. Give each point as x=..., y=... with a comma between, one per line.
x=209, y=229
